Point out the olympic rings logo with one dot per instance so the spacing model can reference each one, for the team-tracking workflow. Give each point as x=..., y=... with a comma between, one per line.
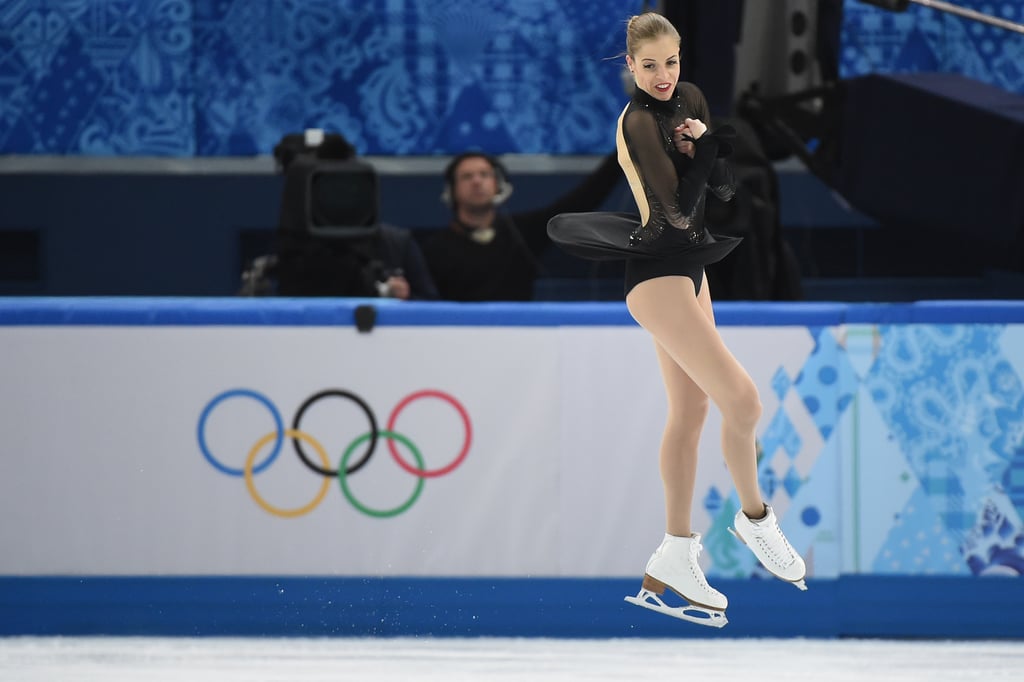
x=351, y=462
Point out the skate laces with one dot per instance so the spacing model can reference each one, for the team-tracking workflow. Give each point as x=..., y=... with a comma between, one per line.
x=769, y=535
x=695, y=549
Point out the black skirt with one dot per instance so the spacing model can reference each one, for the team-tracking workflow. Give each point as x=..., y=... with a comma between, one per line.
x=604, y=235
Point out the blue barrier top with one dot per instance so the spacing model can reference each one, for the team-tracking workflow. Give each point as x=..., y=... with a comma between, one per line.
x=340, y=311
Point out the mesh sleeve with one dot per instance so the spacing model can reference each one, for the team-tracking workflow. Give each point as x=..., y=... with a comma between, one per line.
x=721, y=180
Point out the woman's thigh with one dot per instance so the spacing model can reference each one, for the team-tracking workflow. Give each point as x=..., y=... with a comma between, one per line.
x=684, y=328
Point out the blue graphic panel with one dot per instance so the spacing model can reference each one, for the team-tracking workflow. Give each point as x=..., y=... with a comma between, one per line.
x=104, y=78
x=230, y=77
x=996, y=544
x=416, y=77
x=954, y=405
x=926, y=39
x=919, y=542
x=924, y=426
x=826, y=382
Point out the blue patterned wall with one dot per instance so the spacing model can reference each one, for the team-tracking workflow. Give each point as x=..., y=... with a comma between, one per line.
x=926, y=39
x=97, y=77
x=230, y=77
x=895, y=450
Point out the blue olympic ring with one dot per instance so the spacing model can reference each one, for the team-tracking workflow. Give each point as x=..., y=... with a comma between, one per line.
x=244, y=393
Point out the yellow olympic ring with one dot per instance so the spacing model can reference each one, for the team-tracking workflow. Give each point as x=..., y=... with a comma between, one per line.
x=251, y=485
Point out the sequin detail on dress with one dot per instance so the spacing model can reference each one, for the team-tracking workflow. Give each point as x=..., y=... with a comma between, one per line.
x=655, y=227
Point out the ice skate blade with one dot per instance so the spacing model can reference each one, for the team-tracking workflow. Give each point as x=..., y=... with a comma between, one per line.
x=798, y=584
x=708, y=617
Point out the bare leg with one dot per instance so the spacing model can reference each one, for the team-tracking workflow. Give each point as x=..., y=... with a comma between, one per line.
x=683, y=327
x=687, y=410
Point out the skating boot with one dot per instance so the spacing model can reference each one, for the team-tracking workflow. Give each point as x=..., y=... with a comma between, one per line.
x=674, y=566
x=770, y=546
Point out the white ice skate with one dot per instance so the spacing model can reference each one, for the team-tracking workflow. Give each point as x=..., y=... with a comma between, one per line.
x=770, y=546
x=674, y=566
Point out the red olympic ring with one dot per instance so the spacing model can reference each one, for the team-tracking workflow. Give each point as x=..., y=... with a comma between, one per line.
x=430, y=473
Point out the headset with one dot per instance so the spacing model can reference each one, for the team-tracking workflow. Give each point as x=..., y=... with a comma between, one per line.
x=500, y=176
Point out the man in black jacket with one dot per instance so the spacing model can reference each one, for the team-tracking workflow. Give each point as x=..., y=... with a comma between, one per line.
x=487, y=255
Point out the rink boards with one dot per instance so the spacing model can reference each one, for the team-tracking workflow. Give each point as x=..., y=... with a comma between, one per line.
x=172, y=468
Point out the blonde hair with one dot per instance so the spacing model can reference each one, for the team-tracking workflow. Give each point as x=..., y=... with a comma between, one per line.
x=648, y=26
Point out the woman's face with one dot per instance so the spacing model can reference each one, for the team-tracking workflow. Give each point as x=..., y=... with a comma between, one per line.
x=656, y=66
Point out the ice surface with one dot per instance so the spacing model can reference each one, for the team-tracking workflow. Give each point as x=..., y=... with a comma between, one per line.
x=135, y=659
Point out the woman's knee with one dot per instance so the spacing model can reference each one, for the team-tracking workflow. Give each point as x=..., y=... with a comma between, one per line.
x=743, y=409
x=698, y=409
x=688, y=417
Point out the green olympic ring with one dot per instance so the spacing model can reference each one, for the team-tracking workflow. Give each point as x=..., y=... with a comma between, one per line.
x=343, y=475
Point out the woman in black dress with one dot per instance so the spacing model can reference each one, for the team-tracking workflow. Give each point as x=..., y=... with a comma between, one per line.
x=671, y=160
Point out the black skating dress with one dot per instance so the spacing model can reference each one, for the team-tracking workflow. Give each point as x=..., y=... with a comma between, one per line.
x=668, y=237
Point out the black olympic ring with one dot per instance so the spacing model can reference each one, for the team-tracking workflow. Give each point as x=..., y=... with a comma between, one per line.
x=371, y=444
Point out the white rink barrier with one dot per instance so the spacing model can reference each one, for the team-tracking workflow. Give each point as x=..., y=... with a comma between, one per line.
x=198, y=439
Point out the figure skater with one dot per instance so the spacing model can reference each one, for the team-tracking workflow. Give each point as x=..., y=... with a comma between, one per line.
x=670, y=160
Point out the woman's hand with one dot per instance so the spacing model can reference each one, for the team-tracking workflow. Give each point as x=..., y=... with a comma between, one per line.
x=683, y=137
x=694, y=127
